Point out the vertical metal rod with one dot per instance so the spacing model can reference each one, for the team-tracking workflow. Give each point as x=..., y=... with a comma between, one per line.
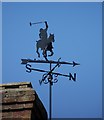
x=50, y=96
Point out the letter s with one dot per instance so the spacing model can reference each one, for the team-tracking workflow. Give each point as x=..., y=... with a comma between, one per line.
x=28, y=67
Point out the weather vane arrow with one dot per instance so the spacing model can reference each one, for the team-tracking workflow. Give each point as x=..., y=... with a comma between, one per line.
x=25, y=61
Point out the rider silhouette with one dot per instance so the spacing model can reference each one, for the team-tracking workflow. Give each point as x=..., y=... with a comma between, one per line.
x=43, y=32
x=43, y=37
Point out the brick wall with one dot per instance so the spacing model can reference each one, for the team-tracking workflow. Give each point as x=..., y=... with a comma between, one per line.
x=19, y=100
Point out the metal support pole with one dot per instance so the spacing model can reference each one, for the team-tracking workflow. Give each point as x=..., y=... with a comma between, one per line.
x=50, y=95
x=48, y=76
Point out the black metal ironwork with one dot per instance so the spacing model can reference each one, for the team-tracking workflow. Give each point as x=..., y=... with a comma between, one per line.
x=25, y=61
x=50, y=76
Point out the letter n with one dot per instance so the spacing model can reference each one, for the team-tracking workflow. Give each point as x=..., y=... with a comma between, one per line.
x=72, y=77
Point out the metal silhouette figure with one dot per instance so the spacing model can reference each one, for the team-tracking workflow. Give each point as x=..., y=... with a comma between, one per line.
x=45, y=46
x=45, y=42
x=43, y=32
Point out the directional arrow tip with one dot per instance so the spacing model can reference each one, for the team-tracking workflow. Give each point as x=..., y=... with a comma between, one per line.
x=74, y=64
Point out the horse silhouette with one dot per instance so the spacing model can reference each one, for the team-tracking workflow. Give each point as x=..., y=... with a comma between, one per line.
x=45, y=45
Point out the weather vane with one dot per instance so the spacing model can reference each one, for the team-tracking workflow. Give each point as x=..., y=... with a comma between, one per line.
x=45, y=43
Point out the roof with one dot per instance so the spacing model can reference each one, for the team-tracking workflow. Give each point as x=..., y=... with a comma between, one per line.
x=20, y=100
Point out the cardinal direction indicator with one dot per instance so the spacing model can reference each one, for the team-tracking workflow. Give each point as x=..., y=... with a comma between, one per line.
x=29, y=69
x=51, y=73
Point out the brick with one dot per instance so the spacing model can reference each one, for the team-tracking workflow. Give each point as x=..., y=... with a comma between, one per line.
x=17, y=106
x=20, y=101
